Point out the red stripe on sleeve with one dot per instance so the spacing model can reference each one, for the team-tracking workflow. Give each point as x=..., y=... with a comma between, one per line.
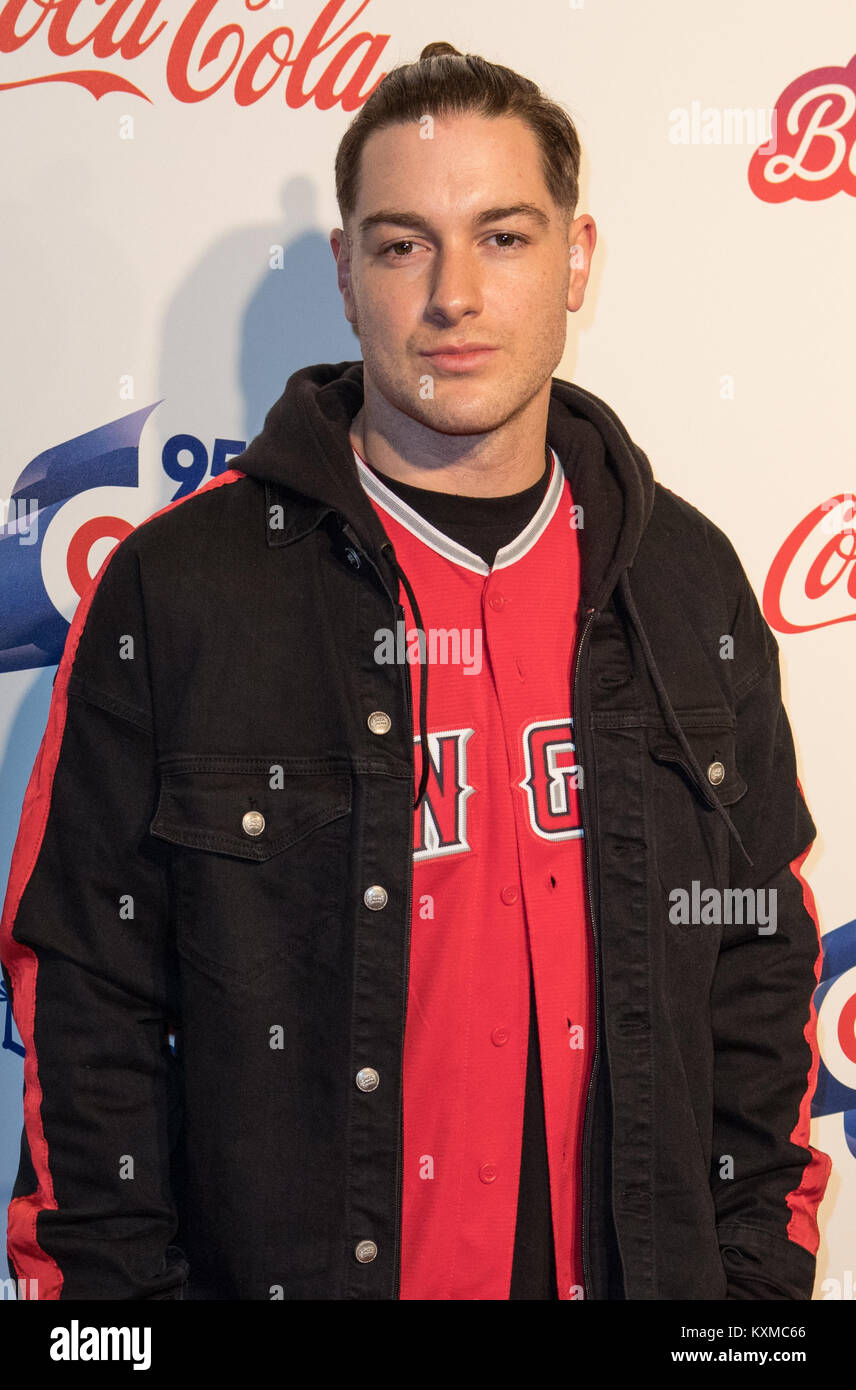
x=21, y=962
x=805, y=1199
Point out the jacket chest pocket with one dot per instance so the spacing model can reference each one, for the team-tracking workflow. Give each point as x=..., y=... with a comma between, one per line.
x=260, y=866
x=692, y=842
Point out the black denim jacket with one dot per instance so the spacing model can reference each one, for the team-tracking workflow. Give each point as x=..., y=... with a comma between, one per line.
x=216, y=847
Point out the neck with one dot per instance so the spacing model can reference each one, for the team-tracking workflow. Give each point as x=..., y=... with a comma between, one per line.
x=493, y=463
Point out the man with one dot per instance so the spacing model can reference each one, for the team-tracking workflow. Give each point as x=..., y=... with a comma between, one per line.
x=542, y=1029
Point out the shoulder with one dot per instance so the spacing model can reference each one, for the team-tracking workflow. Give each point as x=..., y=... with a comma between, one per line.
x=189, y=518
x=686, y=560
x=680, y=532
x=186, y=530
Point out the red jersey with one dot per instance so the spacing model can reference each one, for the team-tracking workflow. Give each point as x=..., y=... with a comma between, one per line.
x=499, y=874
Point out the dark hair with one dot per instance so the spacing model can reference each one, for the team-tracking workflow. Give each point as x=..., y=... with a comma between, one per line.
x=445, y=82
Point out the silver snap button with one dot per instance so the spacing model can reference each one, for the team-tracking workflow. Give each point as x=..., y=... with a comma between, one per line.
x=375, y=897
x=378, y=722
x=253, y=822
x=352, y=557
x=366, y=1251
x=367, y=1079
x=715, y=774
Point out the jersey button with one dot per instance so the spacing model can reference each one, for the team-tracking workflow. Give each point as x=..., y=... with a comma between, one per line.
x=499, y=1036
x=487, y=1172
x=496, y=601
x=509, y=895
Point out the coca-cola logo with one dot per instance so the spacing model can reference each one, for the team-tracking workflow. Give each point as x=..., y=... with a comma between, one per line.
x=812, y=580
x=202, y=54
x=815, y=142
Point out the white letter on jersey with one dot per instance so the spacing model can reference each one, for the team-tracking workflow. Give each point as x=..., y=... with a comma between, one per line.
x=442, y=813
x=551, y=777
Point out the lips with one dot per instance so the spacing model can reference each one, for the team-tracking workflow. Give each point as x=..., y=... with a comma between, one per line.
x=460, y=359
x=460, y=348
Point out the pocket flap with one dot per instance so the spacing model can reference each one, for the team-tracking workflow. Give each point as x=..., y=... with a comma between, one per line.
x=715, y=752
x=245, y=812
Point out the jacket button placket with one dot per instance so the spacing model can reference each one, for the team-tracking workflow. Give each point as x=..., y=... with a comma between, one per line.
x=625, y=947
x=377, y=1023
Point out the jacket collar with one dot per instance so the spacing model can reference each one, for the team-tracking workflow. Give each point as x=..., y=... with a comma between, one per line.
x=303, y=454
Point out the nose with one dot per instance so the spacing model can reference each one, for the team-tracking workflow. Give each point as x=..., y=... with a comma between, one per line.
x=455, y=285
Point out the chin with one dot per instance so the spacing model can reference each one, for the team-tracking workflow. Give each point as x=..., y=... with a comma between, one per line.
x=449, y=411
x=454, y=420
x=469, y=417
x=477, y=424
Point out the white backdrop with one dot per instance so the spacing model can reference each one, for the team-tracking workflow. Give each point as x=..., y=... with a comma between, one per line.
x=165, y=265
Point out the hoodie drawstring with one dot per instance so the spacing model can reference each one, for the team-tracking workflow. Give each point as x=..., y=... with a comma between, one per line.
x=671, y=717
x=423, y=679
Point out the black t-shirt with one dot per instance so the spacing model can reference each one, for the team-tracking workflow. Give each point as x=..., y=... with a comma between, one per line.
x=484, y=525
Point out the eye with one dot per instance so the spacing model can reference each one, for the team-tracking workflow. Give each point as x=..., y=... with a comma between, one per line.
x=401, y=250
x=394, y=246
x=515, y=236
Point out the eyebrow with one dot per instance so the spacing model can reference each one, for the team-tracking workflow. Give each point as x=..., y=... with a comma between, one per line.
x=395, y=218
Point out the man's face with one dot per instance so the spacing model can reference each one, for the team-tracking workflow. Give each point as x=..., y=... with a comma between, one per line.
x=450, y=264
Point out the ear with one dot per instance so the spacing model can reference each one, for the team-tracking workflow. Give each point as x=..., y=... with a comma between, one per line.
x=340, y=247
x=582, y=239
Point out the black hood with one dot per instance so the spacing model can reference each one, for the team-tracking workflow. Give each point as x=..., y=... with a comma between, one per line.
x=304, y=447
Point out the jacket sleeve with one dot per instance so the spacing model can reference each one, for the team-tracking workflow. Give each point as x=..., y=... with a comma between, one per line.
x=86, y=956
x=767, y=1180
